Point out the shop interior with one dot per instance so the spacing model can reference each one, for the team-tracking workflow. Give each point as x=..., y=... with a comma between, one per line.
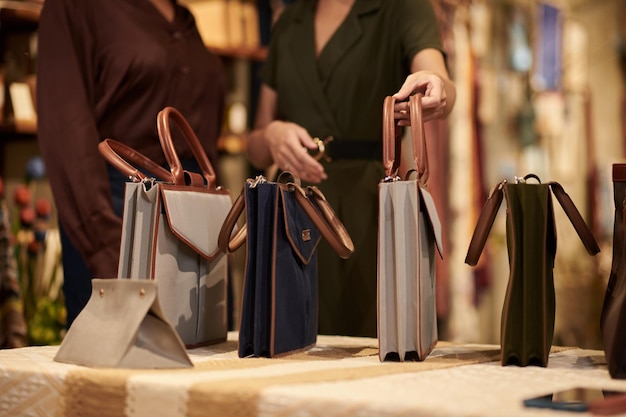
x=540, y=89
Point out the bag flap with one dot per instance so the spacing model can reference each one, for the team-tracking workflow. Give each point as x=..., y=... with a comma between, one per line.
x=195, y=215
x=431, y=211
x=302, y=234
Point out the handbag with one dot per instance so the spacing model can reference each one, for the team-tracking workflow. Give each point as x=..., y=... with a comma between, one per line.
x=284, y=225
x=409, y=230
x=123, y=326
x=613, y=317
x=169, y=233
x=528, y=313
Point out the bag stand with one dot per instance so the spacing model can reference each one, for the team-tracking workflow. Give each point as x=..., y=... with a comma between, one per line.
x=122, y=326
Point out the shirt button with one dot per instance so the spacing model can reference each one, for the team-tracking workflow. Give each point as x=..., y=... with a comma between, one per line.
x=176, y=35
x=184, y=69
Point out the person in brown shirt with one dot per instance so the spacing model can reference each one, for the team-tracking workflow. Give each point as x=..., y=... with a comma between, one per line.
x=105, y=69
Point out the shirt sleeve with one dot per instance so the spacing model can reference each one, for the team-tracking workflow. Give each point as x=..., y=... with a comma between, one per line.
x=267, y=74
x=68, y=136
x=418, y=27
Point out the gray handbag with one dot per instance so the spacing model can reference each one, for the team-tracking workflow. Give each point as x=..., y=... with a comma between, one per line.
x=122, y=326
x=170, y=230
x=409, y=234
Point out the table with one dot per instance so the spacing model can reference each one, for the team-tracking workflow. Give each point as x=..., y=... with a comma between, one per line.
x=341, y=376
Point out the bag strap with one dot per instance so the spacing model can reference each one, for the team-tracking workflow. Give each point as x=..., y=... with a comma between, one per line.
x=484, y=224
x=180, y=176
x=323, y=216
x=225, y=242
x=119, y=155
x=490, y=209
x=585, y=234
x=418, y=138
x=391, y=139
x=314, y=204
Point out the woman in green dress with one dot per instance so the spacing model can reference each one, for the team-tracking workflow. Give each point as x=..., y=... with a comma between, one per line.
x=330, y=65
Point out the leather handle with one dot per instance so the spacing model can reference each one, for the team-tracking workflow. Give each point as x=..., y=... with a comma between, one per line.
x=490, y=209
x=167, y=143
x=119, y=155
x=391, y=139
x=484, y=224
x=325, y=219
x=585, y=234
x=314, y=205
x=225, y=242
x=418, y=138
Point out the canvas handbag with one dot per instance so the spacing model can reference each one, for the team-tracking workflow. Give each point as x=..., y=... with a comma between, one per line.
x=613, y=318
x=408, y=236
x=527, y=324
x=122, y=326
x=284, y=224
x=170, y=230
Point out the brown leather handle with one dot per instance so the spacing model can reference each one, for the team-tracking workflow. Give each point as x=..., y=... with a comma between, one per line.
x=484, y=224
x=325, y=219
x=418, y=138
x=225, y=240
x=391, y=139
x=119, y=155
x=490, y=209
x=583, y=231
x=314, y=205
x=167, y=143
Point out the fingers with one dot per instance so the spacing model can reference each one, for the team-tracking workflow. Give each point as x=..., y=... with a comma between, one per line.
x=298, y=161
x=288, y=144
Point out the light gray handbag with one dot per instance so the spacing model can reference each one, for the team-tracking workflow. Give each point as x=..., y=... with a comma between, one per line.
x=170, y=231
x=122, y=326
x=409, y=234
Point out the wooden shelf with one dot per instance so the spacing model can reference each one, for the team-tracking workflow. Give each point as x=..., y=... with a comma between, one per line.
x=20, y=15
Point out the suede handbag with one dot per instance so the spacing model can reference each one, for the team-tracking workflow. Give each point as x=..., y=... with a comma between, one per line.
x=169, y=232
x=284, y=224
x=409, y=237
x=613, y=318
x=528, y=313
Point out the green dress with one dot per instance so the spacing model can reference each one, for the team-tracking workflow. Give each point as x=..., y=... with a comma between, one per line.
x=341, y=94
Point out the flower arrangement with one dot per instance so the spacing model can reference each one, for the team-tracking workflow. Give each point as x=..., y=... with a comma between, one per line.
x=37, y=251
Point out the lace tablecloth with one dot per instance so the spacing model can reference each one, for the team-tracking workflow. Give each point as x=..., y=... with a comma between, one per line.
x=341, y=376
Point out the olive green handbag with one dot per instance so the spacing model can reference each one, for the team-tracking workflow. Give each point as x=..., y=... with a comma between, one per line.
x=527, y=325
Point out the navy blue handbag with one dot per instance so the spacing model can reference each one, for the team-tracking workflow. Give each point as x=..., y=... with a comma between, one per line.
x=284, y=225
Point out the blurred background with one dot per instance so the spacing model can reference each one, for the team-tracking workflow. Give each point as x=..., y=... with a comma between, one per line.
x=540, y=90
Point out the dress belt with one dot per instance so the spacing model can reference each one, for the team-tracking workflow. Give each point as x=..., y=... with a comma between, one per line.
x=340, y=148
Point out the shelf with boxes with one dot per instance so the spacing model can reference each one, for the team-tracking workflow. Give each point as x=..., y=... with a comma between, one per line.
x=18, y=28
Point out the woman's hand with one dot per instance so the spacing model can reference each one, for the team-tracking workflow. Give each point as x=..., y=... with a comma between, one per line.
x=434, y=100
x=288, y=144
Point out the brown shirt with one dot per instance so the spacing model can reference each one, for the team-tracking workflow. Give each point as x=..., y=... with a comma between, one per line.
x=105, y=69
